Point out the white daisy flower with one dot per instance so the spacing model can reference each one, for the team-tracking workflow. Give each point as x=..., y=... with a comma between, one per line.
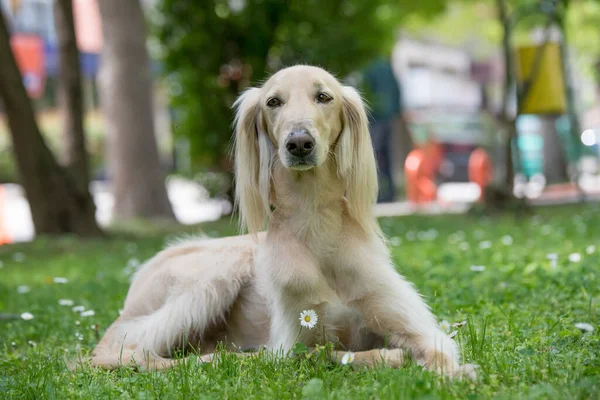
x=88, y=313
x=59, y=279
x=65, y=302
x=78, y=309
x=486, y=244
x=477, y=268
x=308, y=318
x=584, y=327
x=348, y=358
x=591, y=249
x=507, y=240
x=27, y=316
x=459, y=324
x=31, y=343
x=445, y=326
x=23, y=289
x=575, y=257
x=18, y=257
x=77, y=323
x=79, y=336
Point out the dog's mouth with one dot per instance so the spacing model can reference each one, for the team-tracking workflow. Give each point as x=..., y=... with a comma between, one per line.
x=302, y=163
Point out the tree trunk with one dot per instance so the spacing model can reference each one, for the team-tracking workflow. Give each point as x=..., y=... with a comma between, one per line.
x=506, y=119
x=126, y=97
x=75, y=157
x=555, y=159
x=57, y=205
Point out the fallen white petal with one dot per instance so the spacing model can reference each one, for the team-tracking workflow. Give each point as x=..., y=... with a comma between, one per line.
x=27, y=316
x=88, y=313
x=590, y=249
x=23, y=289
x=584, y=327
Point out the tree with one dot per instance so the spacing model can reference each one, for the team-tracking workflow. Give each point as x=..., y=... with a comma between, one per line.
x=75, y=157
x=57, y=204
x=126, y=99
x=213, y=49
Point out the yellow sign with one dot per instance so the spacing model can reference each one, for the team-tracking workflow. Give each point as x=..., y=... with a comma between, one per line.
x=547, y=90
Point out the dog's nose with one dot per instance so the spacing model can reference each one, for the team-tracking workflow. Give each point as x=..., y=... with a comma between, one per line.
x=300, y=143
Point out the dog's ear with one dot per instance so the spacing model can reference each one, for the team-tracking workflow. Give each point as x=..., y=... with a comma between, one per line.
x=253, y=155
x=356, y=160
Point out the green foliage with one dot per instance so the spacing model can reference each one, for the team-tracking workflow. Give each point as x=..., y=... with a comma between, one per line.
x=213, y=49
x=521, y=311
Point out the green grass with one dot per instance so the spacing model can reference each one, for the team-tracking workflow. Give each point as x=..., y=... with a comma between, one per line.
x=521, y=312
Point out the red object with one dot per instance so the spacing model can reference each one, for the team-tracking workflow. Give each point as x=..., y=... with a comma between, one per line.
x=29, y=53
x=419, y=169
x=480, y=169
x=4, y=236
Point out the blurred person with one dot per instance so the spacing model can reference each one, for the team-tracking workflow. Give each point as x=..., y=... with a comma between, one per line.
x=384, y=94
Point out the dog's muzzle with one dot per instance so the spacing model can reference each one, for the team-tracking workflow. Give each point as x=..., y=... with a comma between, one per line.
x=300, y=147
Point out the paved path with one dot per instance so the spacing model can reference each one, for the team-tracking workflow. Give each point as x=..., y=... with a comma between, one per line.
x=191, y=204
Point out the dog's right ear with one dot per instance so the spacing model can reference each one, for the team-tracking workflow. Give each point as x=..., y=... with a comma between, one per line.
x=253, y=154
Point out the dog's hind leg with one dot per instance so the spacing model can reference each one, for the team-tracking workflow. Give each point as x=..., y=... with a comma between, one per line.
x=155, y=336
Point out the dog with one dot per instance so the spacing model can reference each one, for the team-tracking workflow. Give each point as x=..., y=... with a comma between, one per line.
x=305, y=170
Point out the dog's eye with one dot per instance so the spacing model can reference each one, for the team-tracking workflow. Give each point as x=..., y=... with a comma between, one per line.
x=324, y=98
x=273, y=102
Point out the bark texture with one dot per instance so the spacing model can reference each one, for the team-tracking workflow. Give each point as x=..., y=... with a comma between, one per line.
x=126, y=97
x=75, y=157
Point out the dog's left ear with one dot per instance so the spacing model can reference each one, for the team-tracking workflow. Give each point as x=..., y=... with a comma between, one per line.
x=253, y=154
x=356, y=160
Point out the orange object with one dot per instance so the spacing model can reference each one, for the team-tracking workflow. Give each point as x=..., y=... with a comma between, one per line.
x=418, y=169
x=480, y=169
x=4, y=236
x=29, y=54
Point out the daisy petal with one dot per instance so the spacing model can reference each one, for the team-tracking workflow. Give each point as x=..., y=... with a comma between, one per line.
x=348, y=358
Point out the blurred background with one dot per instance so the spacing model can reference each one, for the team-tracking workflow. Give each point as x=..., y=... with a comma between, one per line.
x=119, y=111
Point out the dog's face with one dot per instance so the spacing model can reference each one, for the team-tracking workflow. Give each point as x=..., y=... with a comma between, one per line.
x=303, y=117
x=302, y=111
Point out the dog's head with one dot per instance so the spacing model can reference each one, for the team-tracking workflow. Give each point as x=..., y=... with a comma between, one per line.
x=303, y=116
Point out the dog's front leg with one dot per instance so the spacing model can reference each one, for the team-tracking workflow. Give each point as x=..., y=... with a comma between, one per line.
x=292, y=282
x=391, y=306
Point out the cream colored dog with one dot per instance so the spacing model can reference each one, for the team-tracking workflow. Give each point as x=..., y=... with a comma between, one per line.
x=304, y=165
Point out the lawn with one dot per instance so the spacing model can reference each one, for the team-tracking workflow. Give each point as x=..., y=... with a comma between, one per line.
x=521, y=283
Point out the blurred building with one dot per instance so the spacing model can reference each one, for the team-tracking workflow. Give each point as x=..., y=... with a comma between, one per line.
x=432, y=74
x=446, y=101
